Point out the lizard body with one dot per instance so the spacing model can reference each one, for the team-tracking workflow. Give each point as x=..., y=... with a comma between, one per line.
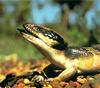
x=72, y=59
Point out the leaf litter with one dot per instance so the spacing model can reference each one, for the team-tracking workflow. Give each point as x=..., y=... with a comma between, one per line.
x=15, y=73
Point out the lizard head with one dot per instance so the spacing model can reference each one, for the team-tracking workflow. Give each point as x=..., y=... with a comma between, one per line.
x=39, y=35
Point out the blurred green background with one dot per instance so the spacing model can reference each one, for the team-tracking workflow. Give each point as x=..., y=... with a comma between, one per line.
x=74, y=19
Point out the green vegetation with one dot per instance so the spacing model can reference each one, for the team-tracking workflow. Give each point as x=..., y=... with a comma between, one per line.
x=10, y=40
x=24, y=50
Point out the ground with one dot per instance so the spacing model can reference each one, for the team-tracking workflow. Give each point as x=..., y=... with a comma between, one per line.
x=15, y=73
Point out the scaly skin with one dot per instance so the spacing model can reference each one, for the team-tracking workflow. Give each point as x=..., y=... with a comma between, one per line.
x=74, y=60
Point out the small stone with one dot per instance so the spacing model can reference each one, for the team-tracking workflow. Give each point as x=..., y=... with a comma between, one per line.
x=81, y=80
x=26, y=81
x=90, y=78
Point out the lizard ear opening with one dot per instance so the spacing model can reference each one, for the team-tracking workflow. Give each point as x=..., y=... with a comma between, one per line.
x=60, y=46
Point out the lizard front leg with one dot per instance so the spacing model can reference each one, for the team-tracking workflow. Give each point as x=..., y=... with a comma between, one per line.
x=67, y=73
